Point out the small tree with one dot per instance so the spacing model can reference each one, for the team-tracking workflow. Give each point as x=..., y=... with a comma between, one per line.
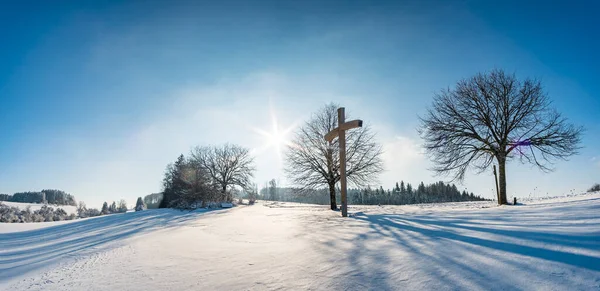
x=113, y=207
x=105, y=208
x=91, y=212
x=173, y=184
x=139, y=205
x=81, y=210
x=122, y=207
x=491, y=117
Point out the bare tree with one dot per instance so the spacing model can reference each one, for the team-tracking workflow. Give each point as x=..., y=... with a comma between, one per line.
x=495, y=116
x=227, y=165
x=312, y=162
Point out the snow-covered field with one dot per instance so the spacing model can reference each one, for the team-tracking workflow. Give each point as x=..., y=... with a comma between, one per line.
x=552, y=244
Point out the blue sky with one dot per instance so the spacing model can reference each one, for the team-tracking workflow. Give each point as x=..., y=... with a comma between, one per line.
x=97, y=97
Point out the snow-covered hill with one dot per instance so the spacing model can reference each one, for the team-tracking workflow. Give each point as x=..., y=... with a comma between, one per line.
x=552, y=244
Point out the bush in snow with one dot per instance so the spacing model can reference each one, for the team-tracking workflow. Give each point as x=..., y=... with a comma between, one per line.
x=48, y=213
x=7, y=213
x=44, y=214
x=59, y=214
x=91, y=212
x=252, y=191
x=139, y=205
x=83, y=211
x=182, y=204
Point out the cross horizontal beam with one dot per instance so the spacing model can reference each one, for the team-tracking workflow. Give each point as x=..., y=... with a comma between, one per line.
x=344, y=126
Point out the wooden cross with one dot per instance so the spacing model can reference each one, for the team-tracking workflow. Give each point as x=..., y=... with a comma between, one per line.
x=340, y=132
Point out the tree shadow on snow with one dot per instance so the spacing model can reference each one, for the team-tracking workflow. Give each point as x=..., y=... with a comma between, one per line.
x=465, y=250
x=27, y=251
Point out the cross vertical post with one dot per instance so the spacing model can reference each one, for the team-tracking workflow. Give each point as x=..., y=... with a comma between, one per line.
x=340, y=133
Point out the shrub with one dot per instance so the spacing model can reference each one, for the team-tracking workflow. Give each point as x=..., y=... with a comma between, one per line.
x=44, y=214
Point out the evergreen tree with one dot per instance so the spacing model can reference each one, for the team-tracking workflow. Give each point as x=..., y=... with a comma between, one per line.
x=173, y=183
x=113, y=207
x=104, y=208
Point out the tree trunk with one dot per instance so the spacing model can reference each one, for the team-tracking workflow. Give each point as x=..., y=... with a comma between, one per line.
x=332, y=196
x=502, y=179
x=225, y=196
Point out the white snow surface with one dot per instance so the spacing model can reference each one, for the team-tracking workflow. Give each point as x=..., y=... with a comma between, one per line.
x=551, y=244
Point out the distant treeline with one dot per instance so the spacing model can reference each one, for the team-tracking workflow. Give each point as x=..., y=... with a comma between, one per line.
x=400, y=194
x=51, y=197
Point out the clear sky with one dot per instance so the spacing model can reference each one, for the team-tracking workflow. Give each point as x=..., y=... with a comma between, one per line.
x=97, y=97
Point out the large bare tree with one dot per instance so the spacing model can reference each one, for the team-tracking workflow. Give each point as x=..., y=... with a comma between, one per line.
x=495, y=116
x=227, y=165
x=312, y=162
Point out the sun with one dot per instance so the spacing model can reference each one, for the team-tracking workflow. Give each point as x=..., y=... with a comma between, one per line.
x=276, y=138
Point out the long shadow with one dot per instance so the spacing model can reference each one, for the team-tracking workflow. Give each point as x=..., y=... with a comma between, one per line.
x=440, y=261
x=578, y=260
x=367, y=268
x=27, y=251
x=462, y=250
x=588, y=240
